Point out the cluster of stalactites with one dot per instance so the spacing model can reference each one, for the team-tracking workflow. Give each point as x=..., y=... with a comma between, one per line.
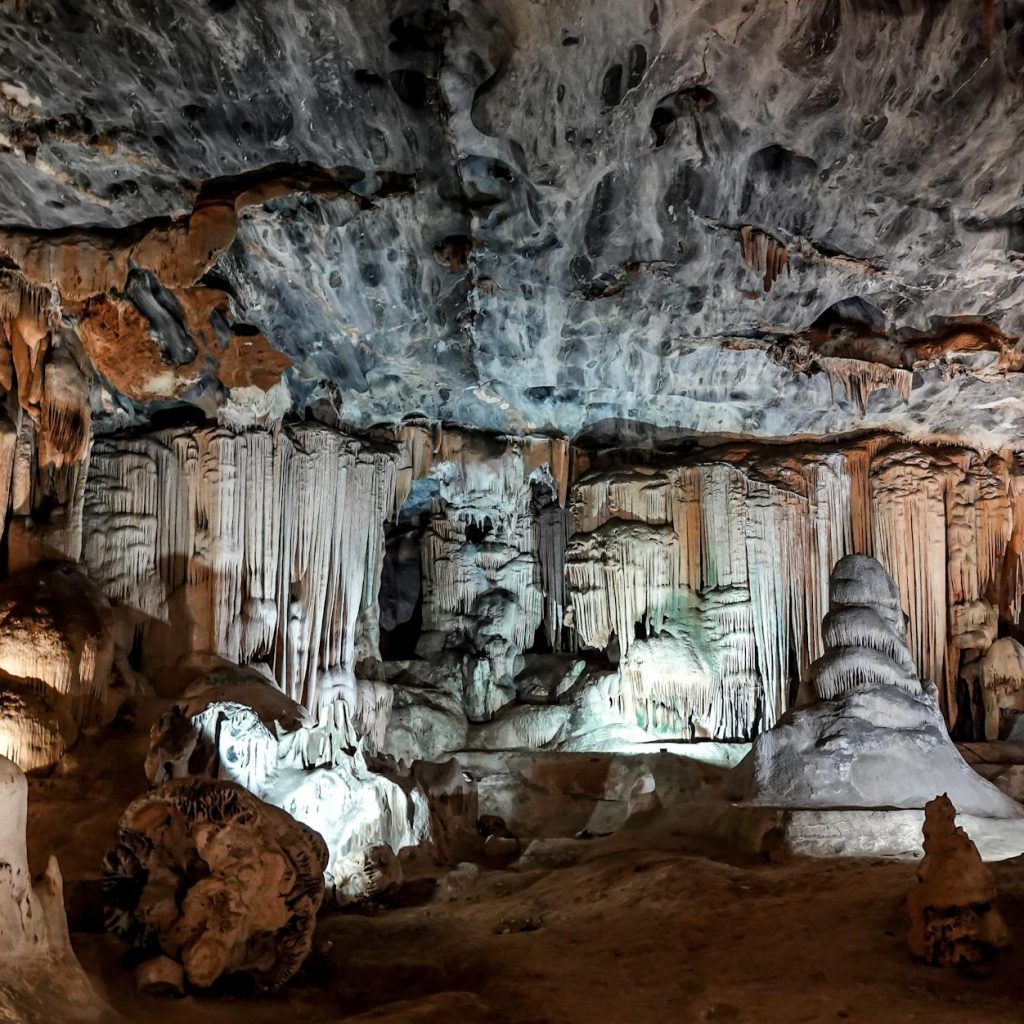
x=763, y=253
x=718, y=553
x=493, y=550
x=264, y=545
x=947, y=524
x=861, y=379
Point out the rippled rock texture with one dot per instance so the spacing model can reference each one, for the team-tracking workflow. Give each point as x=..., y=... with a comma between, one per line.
x=621, y=219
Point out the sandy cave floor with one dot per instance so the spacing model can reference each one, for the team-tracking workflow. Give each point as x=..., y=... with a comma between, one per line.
x=633, y=929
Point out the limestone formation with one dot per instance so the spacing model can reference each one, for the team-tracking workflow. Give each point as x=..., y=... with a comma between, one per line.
x=954, y=920
x=1002, y=681
x=56, y=656
x=391, y=384
x=40, y=979
x=209, y=875
x=875, y=737
x=249, y=546
x=232, y=723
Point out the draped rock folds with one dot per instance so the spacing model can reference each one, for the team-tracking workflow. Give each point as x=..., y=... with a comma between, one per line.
x=266, y=545
x=244, y=545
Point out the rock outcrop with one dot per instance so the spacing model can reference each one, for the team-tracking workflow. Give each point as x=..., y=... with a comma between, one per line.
x=56, y=656
x=209, y=875
x=954, y=920
x=232, y=723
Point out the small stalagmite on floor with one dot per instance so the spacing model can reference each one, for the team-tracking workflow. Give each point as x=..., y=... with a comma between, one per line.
x=954, y=921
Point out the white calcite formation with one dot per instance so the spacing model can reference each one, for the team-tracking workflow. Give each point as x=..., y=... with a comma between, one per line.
x=875, y=737
x=206, y=873
x=56, y=655
x=40, y=979
x=492, y=554
x=249, y=546
x=232, y=723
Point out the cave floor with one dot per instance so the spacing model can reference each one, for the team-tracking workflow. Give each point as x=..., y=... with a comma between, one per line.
x=631, y=937
x=634, y=928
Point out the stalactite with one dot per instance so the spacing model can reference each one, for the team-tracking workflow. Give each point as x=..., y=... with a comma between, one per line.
x=551, y=537
x=65, y=422
x=861, y=379
x=492, y=552
x=908, y=497
x=271, y=544
x=763, y=253
x=29, y=313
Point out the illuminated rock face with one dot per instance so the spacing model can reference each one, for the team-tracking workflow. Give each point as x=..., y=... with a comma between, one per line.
x=233, y=724
x=56, y=654
x=875, y=737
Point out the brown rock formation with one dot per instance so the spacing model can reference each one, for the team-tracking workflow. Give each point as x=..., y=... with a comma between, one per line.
x=953, y=918
x=213, y=877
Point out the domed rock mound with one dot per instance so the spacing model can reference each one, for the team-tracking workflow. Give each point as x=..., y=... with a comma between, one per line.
x=875, y=738
x=209, y=875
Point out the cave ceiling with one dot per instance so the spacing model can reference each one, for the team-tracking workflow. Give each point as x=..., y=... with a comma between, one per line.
x=585, y=217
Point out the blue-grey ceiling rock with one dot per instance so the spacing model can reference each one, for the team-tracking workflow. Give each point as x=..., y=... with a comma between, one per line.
x=529, y=216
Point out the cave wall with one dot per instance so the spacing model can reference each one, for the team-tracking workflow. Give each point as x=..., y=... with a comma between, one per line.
x=700, y=578
x=535, y=222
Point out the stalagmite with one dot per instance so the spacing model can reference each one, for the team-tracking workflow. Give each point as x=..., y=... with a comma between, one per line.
x=863, y=633
x=1002, y=681
x=875, y=739
x=40, y=979
x=954, y=921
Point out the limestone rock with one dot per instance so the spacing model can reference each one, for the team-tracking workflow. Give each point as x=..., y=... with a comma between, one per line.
x=953, y=918
x=1002, y=681
x=40, y=979
x=160, y=976
x=878, y=740
x=217, y=880
x=232, y=724
x=56, y=653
